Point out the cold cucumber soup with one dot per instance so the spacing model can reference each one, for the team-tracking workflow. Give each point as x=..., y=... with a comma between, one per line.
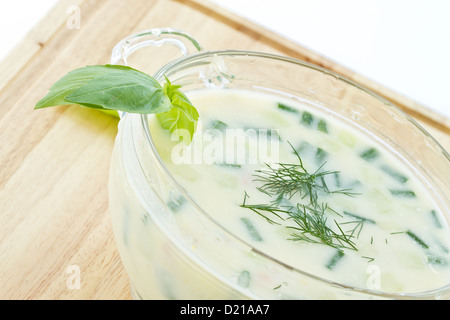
x=304, y=189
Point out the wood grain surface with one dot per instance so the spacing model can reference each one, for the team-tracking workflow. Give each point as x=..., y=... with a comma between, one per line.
x=56, y=240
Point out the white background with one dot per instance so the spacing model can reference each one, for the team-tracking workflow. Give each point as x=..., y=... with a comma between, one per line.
x=17, y=17
x=403, y=44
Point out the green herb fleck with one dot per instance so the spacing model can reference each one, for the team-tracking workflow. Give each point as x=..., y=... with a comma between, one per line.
x=369, y=259
x=287, y=108
x=228, y=165
x=335, y=259
x=417, y=239
x=277, y=287
x=359, y=217
x=337, y=179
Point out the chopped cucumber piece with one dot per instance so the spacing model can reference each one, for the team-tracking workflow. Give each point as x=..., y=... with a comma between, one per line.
x=370, y=154
x=175, y=203
x=435, y=218
x=322, y=126
x=307, y=118
x=254, y=234
x=321, y=155
x=219, y=125
x=394, y=174
x=437, y=261
x=403, y=193
x=244, y=279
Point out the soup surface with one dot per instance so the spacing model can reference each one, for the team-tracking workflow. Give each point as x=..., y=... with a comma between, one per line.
x=310, y=191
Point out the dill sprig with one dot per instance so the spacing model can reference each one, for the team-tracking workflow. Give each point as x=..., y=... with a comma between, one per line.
x=291, y=179
x=311, y=226
x=307, y=219
x=308, y=223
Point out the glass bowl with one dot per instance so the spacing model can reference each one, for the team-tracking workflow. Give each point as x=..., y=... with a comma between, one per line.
x=196, y=257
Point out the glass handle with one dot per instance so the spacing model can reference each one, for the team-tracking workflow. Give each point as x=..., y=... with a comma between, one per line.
x=156, y=37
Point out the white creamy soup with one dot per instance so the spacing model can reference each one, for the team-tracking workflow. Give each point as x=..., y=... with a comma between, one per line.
x=301, y=187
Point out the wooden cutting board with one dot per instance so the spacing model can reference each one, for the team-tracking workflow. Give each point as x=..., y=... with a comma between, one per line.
x=56, y=240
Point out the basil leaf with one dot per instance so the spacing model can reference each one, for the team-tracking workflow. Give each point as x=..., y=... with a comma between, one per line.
x=126, y=90
x=69, y=83
x=109, y=87
x=122, y=88
x=182, y=118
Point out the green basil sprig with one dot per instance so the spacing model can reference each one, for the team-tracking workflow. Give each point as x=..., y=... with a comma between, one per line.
x=122, y=88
